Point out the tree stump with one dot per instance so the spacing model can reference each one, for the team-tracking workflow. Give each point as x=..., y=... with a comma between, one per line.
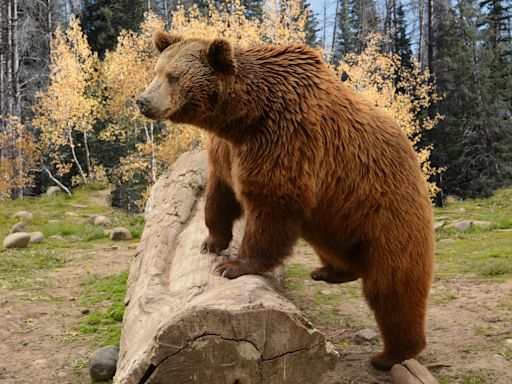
x=185, y=324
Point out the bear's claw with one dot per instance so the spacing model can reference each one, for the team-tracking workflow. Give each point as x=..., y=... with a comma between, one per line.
x=230, y=269
x=210, y=245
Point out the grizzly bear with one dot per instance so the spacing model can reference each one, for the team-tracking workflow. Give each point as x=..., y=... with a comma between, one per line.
x=301, y=155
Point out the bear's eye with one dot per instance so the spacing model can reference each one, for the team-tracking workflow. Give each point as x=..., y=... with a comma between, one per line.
x=172, y=79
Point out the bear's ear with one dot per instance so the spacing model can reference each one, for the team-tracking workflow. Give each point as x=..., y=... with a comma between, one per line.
x=162, y=40
x=221, y=57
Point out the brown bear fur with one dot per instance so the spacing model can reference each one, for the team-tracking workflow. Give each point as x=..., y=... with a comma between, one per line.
x=303, y=156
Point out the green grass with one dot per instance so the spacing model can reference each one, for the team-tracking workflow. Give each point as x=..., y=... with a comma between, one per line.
x=24, y=271
x=64, y=234
x=481, y=252
x=104, y=296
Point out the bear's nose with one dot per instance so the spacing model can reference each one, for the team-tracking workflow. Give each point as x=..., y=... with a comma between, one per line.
x=142, y=102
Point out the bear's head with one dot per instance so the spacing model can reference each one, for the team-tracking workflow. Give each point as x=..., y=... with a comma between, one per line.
x=190, y=76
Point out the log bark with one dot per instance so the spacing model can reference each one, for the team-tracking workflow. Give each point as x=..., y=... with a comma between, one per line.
x=185, y=324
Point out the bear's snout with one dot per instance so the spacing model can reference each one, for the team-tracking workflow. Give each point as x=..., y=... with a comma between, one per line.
x=142, y=103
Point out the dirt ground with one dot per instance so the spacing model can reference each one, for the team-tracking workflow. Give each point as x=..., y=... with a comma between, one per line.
x=37, y=339
x=469, y=326
x=469, y=329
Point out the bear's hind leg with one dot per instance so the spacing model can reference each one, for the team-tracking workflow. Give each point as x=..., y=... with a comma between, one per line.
x=399, y=304
x=221, y=210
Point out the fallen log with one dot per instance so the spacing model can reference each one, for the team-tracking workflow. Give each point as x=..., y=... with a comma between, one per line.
x=185, y=324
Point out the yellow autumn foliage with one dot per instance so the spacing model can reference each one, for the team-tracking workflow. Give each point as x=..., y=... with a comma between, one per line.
x=18, y=157
x=69, y=107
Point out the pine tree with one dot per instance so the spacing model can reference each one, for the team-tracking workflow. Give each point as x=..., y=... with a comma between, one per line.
x=402, y=43
x=102, y=21
x=346, y=38
x=312, y=27
x=474, y=140
x=364, y=19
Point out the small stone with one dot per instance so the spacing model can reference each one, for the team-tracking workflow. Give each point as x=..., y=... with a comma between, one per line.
x=461, y=210
x=36, y=237
x=102, y=365
x=508, y=341
x=70, y=214
x=53, y=221
x=101, y=221
x=17, y=240
x=446, y=241
x=19, y=227
x=85, y=311
x=439, y=224
x=366, y=334
x=326, y=292
x=462, y=225
x=62, y=374
x=120, y=233
x=53, y=190
x=25, y=215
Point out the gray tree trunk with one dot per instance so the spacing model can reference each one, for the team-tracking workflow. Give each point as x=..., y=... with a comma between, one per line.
x=185, y=324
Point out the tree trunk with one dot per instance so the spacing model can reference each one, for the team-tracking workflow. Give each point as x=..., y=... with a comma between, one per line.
x=62, y=186
x=186, y=324
x=75, y=159
x=16, y=95
x=87, y=154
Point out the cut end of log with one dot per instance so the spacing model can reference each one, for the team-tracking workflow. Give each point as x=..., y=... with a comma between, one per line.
x=185, y=324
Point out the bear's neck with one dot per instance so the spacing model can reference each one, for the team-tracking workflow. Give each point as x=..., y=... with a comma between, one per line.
x=259, y=91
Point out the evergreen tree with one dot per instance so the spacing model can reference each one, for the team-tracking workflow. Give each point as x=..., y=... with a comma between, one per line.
x=364, y=19
x=402, y=43
x=473, y=141
x=346, y=39
x=312, y=26
x=102, y=20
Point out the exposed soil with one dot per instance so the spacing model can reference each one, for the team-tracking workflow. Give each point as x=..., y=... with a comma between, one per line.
x=470, y=326
x=469, y=329
x=38, y=343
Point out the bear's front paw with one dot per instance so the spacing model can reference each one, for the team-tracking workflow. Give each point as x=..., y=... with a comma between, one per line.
x=213, y=245
x=232, y=269
x=384, y=362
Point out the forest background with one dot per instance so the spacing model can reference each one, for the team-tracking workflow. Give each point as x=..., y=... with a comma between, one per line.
x=70, y=72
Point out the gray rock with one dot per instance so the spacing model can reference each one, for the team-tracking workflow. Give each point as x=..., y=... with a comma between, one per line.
x=366, y=334
x=446, y=241
x=102, y=365
x=23, y=215
x=36, y=237
x=101, y=221
x=120, y=233
x=19, y=227
x=462, y=225
x=53, y=190
x=17, y=240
